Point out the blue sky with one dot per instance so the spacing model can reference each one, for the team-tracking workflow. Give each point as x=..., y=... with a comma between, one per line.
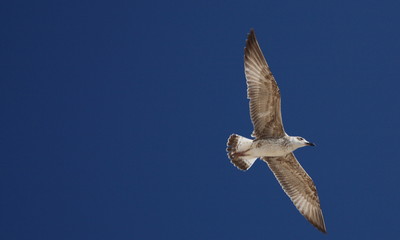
x=115, y=116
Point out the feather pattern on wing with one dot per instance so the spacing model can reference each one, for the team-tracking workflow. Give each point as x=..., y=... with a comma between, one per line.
x=263, y=92
x=300, y=188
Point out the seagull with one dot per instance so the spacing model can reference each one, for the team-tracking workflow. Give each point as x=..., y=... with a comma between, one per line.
x=271, y=143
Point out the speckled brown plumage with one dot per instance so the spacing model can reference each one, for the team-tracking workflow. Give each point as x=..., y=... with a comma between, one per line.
x=263, y=92
x=299, y=186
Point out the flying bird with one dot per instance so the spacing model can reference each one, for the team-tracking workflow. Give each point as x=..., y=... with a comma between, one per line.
x=271, y=143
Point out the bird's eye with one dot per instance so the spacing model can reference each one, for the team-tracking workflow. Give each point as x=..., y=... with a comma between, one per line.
x=300, y=138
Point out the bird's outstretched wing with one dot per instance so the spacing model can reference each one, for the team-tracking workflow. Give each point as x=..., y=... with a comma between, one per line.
x=299, y=187
x=263, y=92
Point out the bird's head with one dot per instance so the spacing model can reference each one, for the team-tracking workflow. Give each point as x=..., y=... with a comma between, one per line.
x=301, y=142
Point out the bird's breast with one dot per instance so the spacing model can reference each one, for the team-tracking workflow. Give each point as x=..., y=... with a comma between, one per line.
x=268, y=148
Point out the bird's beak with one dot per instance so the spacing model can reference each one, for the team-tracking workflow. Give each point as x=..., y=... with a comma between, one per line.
x=310, y=144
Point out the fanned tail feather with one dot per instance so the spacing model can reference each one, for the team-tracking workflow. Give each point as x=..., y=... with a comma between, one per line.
x=237, y=146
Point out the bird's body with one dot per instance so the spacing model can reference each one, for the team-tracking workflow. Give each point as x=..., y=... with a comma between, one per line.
x=270, y=147
x=271, y=142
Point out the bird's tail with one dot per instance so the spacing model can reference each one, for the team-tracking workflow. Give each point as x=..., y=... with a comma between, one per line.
x=237, y=146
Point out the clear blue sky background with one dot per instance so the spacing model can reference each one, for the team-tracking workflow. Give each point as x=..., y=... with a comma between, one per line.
x=115, y=115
